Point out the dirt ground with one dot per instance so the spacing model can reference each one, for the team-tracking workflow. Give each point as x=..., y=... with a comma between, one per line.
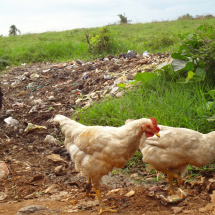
x=38, y=170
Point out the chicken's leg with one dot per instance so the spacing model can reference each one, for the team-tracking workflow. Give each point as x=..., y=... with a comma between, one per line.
x=88, y=188
x=170, y=177
x=102, y=207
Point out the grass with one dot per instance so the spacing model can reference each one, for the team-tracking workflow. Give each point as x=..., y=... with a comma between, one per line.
x=71, y=45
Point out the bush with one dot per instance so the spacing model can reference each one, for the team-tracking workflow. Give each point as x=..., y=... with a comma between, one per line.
x=185, y=17
x=102, y=42
x=198, y=49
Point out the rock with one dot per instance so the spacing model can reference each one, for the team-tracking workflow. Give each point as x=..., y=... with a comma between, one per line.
x=51, y=140
x=130, y=77
x=31, y=209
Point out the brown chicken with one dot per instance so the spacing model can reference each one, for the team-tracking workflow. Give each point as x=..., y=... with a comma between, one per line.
x=96, y=150
x=177, y=148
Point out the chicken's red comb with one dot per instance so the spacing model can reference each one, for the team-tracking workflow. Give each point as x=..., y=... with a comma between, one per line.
x=154, y=122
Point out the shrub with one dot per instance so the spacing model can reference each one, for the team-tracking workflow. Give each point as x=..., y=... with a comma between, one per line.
x=102, y=42
x=186, y=16
x=198, y=49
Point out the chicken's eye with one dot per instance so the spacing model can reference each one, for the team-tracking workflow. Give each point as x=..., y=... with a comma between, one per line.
x=148, y=126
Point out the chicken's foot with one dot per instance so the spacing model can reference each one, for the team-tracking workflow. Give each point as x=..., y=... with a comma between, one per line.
x=88, y=188
x=102, y=207
x=170, y=177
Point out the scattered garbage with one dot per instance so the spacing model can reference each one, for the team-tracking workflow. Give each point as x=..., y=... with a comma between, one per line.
x=145, y=54
x=31, y=127
x=3, y=196
x=3, y=169
x=56, y=158
x=37, y=180
x=130, y=193
x=60, y=170
x=131, y=54
x=54, y=188
x=173, y=198
x=34, y=76
x=51, y=140
x=11, y=121
x=113, y=191
x=85, y=75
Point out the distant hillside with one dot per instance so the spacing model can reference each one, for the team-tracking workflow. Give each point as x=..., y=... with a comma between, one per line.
x=92, y=43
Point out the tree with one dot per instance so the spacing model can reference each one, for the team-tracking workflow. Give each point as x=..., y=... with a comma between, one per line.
x=13, y=30
x=123, y=19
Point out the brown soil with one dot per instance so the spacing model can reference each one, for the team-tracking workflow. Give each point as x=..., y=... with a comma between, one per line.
x=61, y=88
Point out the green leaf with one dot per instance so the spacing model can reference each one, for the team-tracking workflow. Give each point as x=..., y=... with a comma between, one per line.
x=212, y=118
x=144, y=77
x=121, y=85
x=189, y=66
x=190, y=75
x=200, y=74
x=179, y=56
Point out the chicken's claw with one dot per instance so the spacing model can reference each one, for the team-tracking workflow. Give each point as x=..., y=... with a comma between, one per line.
x=107, y=209
x=88, y=188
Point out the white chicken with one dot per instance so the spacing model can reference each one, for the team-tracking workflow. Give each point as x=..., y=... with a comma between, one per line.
x=96, y=150
x=177, y=148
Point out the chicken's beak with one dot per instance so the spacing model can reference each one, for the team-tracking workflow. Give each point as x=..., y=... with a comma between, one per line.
x=157, y=134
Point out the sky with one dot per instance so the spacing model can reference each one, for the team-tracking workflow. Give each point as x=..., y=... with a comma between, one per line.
x=37, y=16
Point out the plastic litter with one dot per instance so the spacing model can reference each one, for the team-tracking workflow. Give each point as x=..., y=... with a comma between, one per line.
x=32, y=127
x=173, y=198
x=11, y=121
x=34, y=76
x=145, y=54
x=85, y=75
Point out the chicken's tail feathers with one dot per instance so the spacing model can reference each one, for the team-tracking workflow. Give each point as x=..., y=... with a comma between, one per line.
x=66, y=122
x=62, y=120
x=58, y=118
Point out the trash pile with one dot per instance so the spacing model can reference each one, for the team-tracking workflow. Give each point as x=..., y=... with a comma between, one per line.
x=61, y=88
